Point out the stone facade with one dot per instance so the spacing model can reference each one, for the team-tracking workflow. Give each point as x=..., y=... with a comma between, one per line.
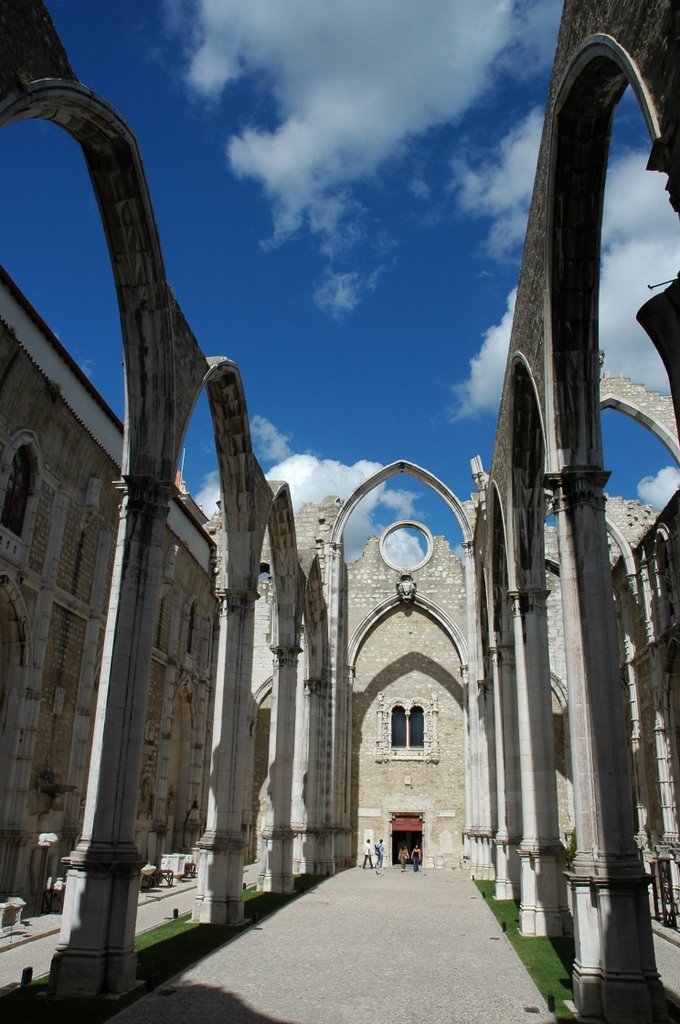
x=408, y=660
x=55, y=577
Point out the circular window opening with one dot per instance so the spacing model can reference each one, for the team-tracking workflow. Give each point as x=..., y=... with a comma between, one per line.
x=406, y=545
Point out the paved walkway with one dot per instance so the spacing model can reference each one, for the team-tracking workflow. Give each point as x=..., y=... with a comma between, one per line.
x=358, y=949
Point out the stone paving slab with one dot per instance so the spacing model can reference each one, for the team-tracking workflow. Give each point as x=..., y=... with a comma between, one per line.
x=397, y=947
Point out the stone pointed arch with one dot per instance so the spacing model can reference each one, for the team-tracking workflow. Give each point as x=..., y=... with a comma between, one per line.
x=262, y=692
x=616, y=393
x=418, y=473
x=527, y=495
x=163, y=363
x=377, y=614
x=245, y=496
x=588, y=92
x=499, y=613
x=287, y=574
x=316, y=624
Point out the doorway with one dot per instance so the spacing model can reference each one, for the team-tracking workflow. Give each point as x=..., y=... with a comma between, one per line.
x=406, y=831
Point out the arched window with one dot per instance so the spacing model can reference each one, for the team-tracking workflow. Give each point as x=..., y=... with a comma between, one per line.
x=408, y=728
x=16, y=496
x=190, y=629
x=416, y=730
x=398, y=727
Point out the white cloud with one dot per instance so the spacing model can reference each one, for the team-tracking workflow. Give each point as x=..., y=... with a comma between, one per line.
x=500, y=187
x=340, y=293
x=269, y=444
x=480, y=391
x=404, y=548
x=658, y=490
x=311, y=479
x=352, y=84
x=209, y=492
x=640, y=245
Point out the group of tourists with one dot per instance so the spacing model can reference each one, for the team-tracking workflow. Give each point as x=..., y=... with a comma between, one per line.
x=402, y=856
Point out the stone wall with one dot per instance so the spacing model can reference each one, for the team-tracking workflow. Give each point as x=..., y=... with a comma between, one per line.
x=54, y=582
x=407, y=658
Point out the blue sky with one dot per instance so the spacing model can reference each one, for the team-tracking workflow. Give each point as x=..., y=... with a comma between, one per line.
x=341, y=192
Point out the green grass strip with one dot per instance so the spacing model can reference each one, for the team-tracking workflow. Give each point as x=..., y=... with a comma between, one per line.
x=161, y=953
x=549, y=961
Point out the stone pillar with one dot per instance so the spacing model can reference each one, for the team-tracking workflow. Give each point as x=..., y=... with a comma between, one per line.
x=277, y=861
x=542, y=902
x=307, y=776
x=337, y=838
x=96, y=945
x=661, y=739
x=219, y=897
x=506, y=839
x=615, y=974
x=82, y=722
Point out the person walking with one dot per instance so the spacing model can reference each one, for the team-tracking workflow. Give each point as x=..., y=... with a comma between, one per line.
x=380, y=853
x=367, y=854
x=403, y=857
x=416, y=857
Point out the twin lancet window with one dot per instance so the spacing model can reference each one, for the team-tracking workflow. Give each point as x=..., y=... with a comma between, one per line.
x=406, y=730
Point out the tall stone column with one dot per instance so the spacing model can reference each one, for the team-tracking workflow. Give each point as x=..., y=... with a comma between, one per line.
x=277, y=861
x=542, y=902
x=82, y=723
x=96, y=945
x=615, y=974
x=307, y=776
x=507, y=837
x=339, y=734
x=219, y=897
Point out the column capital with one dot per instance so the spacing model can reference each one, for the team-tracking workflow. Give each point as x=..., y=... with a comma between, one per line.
x=577, y=485
x=235, y=602
x=145, y=496
x=313, y=686
x=285, y=656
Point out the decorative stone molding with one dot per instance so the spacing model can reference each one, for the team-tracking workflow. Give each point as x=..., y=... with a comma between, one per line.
x=312, y=687
x=429, y=752
x=406, y=588
x=286, y=656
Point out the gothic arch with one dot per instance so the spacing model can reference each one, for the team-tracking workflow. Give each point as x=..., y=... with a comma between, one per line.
x=157, y=342
x=246, y=497
x=286, y=570
x=316, y=624
x=527, y=562
x=376, y=615
x=386, y=473
x=587, y=94
x=629, y=408
x=17, y=545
